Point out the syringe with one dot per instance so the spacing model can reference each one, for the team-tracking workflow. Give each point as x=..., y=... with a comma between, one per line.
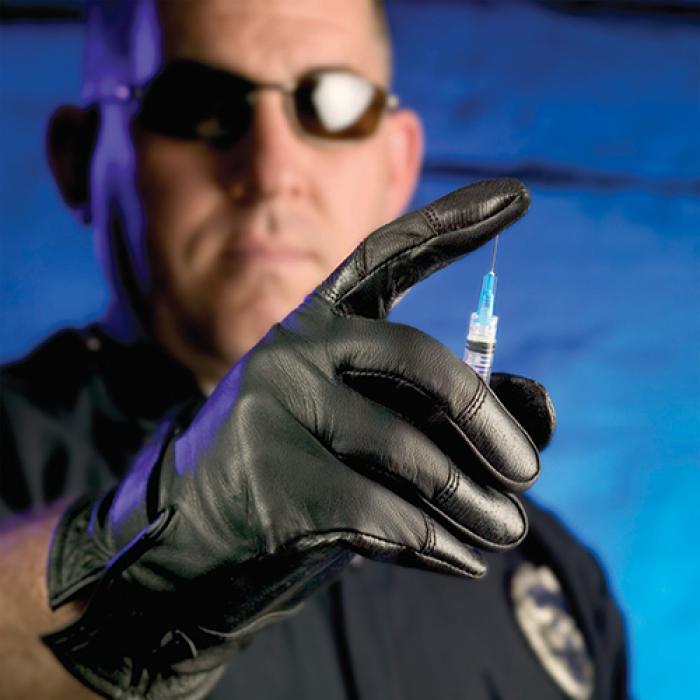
x=481, y=338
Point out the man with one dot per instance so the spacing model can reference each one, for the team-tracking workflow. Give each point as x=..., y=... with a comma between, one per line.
x=233, y=154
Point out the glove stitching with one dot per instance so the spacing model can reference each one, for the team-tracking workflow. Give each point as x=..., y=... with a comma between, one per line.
x=464, y=416
x=422, y=242
x=429, y=544
x=439, y=501
x=458, y=423
x=472, y=401
x=474, y=406
x=351, y=531
x=446, y=493
x=391, y=475
x=433, y=219
x=383, y=374
x=347, y=531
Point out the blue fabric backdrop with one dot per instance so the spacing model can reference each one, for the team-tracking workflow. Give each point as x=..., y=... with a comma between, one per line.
x=598, y=287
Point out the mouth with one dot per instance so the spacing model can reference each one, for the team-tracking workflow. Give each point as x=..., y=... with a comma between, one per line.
x=266, y=256
x=256, y=240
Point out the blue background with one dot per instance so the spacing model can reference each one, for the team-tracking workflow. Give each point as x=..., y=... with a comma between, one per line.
x=598, y=286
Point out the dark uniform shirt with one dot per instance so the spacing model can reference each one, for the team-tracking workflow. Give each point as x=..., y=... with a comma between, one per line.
x=541, y=624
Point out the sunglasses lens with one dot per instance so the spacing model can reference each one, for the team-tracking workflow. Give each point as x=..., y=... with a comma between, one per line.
x=338, y=105
x=190, y=101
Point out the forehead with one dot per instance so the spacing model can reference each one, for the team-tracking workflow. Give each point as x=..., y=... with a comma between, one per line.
x=273, y=40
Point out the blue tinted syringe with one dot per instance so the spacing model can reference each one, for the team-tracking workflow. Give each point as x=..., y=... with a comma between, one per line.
x=481, y=338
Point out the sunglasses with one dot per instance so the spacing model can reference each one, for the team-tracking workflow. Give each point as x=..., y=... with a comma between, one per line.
x=188, y=100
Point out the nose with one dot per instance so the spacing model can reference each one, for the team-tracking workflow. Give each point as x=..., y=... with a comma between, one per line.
x=269, y=160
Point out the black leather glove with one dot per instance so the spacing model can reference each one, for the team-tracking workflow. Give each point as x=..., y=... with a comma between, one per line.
x=529, y=403
x=339, y=433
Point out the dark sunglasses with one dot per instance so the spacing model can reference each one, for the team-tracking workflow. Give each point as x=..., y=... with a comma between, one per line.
x=188, y=100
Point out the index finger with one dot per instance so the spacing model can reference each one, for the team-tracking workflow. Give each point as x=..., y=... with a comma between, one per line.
x=412, y=247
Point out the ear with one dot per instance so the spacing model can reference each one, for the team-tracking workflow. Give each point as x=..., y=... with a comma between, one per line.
x=70, y=140
x=405, y=159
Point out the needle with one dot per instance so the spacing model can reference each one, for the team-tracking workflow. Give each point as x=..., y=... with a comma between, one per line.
x=495, y=250
x=481, y=337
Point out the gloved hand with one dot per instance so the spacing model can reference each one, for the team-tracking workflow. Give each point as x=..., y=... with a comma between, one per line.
x=339, y=433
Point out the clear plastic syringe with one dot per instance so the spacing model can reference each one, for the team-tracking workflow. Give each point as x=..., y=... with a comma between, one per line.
x=481, y=338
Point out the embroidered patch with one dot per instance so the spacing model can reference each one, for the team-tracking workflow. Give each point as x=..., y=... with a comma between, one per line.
x=550, y=629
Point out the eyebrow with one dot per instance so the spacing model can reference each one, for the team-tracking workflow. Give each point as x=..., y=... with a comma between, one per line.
x=217, y=70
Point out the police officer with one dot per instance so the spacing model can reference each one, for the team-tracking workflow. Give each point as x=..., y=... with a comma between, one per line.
x=229, y=466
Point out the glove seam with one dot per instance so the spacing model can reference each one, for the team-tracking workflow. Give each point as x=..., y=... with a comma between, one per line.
x=449, y=489
x=430, y=536
x=475, y=404
x=393, y=476
x=383, y=374
x=78, y=516
x=347, y=531
x=437, y=230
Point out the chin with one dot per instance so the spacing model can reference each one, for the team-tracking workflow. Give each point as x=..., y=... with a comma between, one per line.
x=240, y=328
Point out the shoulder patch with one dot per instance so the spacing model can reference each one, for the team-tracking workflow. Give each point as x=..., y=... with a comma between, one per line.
x=550, y=629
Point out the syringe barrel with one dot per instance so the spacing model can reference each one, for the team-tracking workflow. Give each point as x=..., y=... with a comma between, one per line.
x=481, y=346
x=480, y=360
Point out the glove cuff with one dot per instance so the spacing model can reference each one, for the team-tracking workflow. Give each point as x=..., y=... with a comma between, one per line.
x=123, y=644
x=76, y=561
x=85, y=540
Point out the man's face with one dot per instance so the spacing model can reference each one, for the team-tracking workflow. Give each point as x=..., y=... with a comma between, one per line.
x=238, y=236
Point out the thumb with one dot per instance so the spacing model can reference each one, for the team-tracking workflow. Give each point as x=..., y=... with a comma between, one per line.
x=397, y=256
x=529, y=403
